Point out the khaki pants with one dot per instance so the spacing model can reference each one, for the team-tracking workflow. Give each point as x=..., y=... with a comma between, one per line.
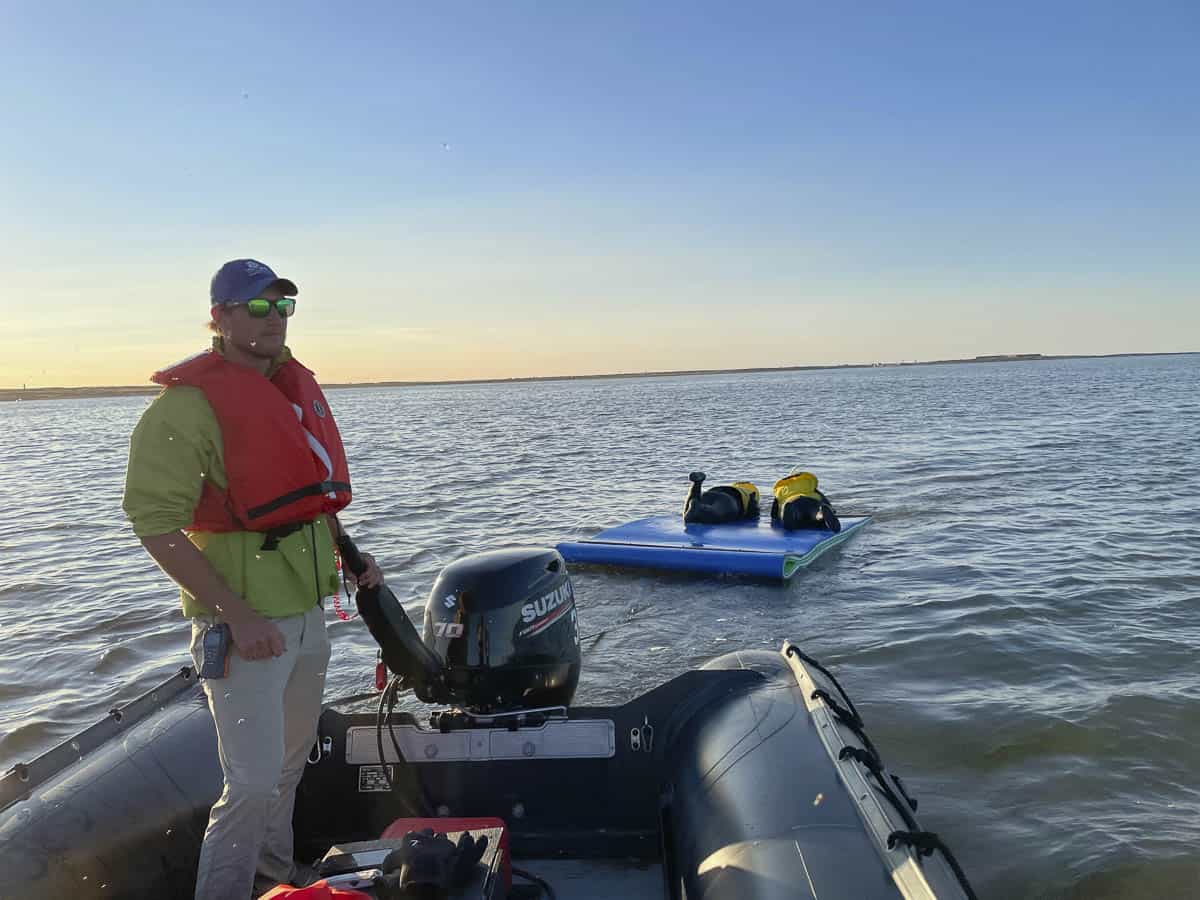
x=266, y=715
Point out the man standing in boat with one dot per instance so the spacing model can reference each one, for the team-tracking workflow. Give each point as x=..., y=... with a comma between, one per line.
x=236, y=475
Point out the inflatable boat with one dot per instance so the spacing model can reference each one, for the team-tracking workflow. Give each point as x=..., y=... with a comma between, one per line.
x=752, y=777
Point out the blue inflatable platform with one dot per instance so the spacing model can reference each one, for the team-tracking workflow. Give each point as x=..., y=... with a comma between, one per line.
x=754, y=548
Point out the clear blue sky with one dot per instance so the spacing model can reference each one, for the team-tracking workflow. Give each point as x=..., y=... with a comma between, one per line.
x=505, y=189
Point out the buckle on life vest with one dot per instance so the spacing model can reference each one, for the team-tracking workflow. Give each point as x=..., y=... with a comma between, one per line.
x=272, y=537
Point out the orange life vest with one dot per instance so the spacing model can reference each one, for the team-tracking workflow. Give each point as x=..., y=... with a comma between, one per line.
x=284, y=459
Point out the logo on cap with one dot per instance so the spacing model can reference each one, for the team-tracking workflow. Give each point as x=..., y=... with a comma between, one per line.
x=254, y=267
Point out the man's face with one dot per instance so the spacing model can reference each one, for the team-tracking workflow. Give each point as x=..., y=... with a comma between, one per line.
x=260, y=338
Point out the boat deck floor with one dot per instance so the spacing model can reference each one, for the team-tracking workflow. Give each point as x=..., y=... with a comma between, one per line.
x=596, y=879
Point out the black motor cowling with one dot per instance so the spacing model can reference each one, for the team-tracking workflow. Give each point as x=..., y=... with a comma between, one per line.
x=504, y=625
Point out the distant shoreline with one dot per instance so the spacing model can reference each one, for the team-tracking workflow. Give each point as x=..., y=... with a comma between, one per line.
x=75, y=393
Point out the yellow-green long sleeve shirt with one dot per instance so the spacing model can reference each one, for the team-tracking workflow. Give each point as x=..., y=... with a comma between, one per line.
x=174, y=449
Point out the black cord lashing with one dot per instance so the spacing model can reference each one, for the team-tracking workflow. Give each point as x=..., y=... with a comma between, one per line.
x=848, y=717
x=924, y=843
x=875, y=764
x=875, y=767
x=793, y=650
x=912, y=801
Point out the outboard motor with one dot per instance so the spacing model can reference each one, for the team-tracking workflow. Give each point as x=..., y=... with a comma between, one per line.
x=501, y=632
x=504, y=627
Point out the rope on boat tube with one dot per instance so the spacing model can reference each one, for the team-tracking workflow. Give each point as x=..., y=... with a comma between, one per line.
x=793, y=650
x=924, y=843
x=875, y=767
x=847, y=717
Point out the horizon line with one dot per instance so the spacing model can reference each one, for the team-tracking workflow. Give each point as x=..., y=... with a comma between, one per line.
x=63, y=393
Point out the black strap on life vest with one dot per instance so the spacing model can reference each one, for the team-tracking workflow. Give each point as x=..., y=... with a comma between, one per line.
x=321, y=487
x=273, y=536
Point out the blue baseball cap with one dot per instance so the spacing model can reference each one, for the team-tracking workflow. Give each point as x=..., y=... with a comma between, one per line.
x=240, y=280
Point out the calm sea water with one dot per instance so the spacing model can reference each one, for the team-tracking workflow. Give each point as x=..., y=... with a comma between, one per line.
x=1020, y=627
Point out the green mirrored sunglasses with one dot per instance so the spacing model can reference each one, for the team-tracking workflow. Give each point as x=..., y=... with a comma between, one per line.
x=260, y=307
